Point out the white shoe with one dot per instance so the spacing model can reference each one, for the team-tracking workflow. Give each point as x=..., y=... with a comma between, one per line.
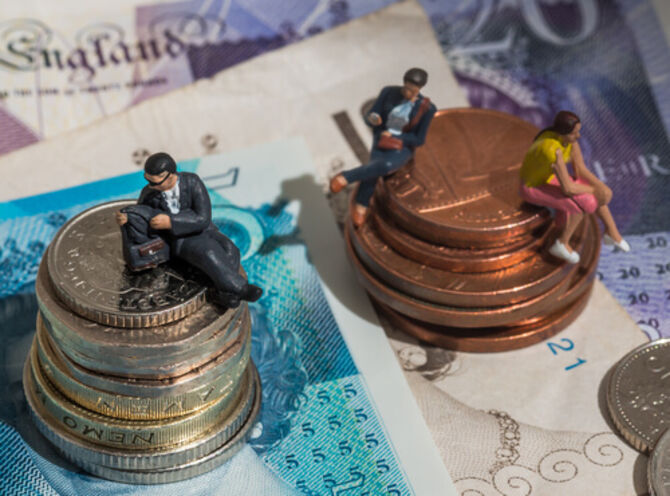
x=622, y=245
x=559, y=250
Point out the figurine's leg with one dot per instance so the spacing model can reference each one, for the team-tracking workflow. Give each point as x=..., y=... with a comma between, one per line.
x=382, y=163
x=365, y=191
x=205, y=253
x=371, y=170
x=231, y=251
x=571, y=224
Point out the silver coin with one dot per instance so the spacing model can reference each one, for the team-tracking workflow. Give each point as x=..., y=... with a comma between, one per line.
x=225, y=363
x=83, y=452
x=153, y=367
x=86, y=267
x=121, y=433
x=658, y=467
x=639, y=394
x=155, y=345
x=138, y=407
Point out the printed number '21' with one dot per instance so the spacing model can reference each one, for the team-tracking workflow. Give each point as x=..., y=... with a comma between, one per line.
x=567, y=346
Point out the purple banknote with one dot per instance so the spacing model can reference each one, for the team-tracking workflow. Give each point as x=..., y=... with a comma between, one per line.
x=609, y=62
x=64, y=68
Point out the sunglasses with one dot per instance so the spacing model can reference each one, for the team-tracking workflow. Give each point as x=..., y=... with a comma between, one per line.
x=152, y=183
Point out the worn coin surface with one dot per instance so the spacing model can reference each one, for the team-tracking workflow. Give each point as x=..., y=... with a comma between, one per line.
x=219, y=364
x=129, y=348
x=172, y=366
x=525, y=280
x=638, y=396
x=455, y=259
x=81, y=450
x=462, y=188
x=139, y=407
x=658, y=468
x=88, y=272
x=126, y=434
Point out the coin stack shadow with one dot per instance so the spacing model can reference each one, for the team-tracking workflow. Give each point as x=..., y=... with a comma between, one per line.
x=451, y=255
x=146, y=404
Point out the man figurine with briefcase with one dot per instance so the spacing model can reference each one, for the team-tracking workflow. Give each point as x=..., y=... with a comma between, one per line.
x=173, y=219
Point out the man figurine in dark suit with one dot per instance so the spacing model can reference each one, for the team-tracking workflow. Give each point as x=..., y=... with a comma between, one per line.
x=175, y=207
x=399, y=118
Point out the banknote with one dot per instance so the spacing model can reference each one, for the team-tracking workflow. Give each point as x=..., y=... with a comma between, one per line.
x=609, y=61
x=65, y=65
x=296, y=91
x=512, y=417
x=330, y=420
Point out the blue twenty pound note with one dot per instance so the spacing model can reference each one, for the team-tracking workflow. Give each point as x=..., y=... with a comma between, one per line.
x=325, y=426
x=608, y=61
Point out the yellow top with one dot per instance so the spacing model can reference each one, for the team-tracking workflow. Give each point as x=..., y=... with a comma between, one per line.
x=537, y=164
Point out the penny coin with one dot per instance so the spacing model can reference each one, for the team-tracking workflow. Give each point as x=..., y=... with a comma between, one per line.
x=139, y=407
x=492, y=339
x=454, y=259
x=473, y=316
x=120, y=433
x=88, y=272
x=525, y=280
x=462, y=187
x=160, y=346
x=83, y=451
x=658, y=467
x=639, y=393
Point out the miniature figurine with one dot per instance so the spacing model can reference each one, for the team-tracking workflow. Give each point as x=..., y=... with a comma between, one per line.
x=173, y=218
x=545, y=181
x=400, y=118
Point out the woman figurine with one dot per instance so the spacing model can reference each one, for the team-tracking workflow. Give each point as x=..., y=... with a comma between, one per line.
x=399, y=118
x=545, y=181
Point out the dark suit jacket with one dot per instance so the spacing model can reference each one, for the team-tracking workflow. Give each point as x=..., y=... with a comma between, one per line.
x=389, y=97
x=195, y=209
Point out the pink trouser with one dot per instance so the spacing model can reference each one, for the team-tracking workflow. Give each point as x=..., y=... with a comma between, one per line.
x=550, y=195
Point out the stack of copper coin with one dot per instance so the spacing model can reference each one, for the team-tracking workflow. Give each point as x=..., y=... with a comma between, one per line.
x=135, y=377
x=451, y=254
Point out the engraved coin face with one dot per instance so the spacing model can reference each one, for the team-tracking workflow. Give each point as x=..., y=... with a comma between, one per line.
x=88, y=272
x=658, y=469
x=639, y=394
x=463, y=185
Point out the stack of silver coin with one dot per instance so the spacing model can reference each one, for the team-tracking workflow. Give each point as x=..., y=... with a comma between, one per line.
x=135, y=377
x=638, y=398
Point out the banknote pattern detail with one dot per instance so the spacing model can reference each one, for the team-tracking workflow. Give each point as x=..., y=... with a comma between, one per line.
x=318, y=429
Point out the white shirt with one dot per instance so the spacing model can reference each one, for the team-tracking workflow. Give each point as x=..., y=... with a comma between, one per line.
x=399, y=116
x=172, y=197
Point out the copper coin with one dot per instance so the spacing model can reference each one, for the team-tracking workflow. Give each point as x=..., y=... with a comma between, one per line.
x=473, y=316
x=528, y=279
x=462, y=188
x=456, y=259
x=491, y=339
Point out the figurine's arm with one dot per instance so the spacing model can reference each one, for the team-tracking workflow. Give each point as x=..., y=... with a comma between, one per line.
x=197, y=218
x=568, y=186
x=601, y=190
x=373, y=117
x=417, y=136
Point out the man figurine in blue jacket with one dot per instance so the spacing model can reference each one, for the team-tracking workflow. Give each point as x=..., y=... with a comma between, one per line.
x=174, y=209
x=399, y=118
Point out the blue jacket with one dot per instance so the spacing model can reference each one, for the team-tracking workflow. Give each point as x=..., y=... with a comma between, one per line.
x=388, y=98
